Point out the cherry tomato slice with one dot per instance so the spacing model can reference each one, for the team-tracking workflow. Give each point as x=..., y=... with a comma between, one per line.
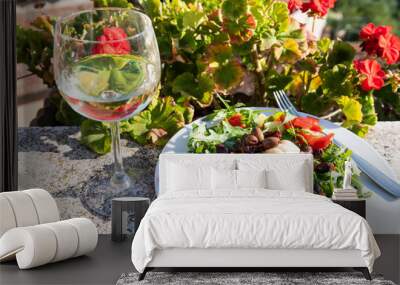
x=317, y=142
x=307, y=123
x=236, y=120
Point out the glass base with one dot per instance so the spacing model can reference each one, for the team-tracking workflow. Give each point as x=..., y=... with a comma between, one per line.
x=98, y=196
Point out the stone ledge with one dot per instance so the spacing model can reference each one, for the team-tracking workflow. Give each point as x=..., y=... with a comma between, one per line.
x=53, y=159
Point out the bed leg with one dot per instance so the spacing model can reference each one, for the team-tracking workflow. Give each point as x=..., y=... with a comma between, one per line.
x=365, y=272
x=143, y=274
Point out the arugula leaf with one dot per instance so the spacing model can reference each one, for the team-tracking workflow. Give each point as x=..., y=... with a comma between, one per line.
x=205, y=140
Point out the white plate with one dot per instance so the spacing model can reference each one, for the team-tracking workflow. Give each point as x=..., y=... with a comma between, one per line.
x=178, y=144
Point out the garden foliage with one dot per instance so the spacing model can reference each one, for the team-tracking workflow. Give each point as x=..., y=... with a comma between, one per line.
x=239, y=49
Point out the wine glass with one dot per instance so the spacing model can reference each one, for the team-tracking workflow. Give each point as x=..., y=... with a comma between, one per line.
x=107, y=67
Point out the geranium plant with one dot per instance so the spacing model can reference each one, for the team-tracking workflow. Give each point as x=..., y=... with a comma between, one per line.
x=241, y=50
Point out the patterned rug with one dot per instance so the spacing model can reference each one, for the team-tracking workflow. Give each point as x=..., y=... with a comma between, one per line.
x=244, y=278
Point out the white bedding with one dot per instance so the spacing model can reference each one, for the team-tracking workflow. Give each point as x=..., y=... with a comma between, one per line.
x=250, y=219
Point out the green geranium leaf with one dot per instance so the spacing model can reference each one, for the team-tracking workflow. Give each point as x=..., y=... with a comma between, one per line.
x=280, y=15
x=233, y=9
x=336, y=82
x=67, y=115
x=184, y=83
x=279, y=82
x=315, y=103
x=187, y=109
x=152, y=7
x=229, y=75
x=112, y=3
x=385, y=98
x=220, y=53
x=307, y=64
x=324, y=45
x=96, y=136
x=351, y=109
x=192, y=19
x=197, y=89
x=342, y=53
x=158, y=123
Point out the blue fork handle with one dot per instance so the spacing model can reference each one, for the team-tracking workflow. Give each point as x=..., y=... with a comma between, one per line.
x=380, y=178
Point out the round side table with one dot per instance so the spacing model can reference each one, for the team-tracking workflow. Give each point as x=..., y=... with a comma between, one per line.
x=126, y=214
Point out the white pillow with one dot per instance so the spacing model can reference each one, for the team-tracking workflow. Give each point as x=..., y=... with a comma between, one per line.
x=293, y=180
x=188, y=177
x=251, y=178
x=224, y=179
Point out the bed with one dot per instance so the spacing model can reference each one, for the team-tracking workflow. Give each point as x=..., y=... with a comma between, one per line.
x=246, y=211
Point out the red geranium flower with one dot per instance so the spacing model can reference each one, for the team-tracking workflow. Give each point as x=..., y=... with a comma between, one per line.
x=382, y=31
x=112, y=41
x=367, y=31
x=372, y=75
x=389, y=48
x=294, y=5
x=318, y=7
x=380, y=41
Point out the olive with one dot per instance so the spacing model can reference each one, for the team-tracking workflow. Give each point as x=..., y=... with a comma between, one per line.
x=317, y=153
x=306, y=149
x=324, y=167
x=276, y=134
x=221, y=148
x=250, y=140
x=269, y=142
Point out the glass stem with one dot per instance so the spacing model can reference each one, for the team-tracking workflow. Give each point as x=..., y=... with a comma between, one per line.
x=120, y=179
x=118, y=166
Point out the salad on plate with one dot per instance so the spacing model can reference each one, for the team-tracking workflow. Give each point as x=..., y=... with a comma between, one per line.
x=244, y=130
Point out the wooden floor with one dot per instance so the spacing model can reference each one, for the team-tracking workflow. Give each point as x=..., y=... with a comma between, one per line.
x=103, y=266
x=110, y=260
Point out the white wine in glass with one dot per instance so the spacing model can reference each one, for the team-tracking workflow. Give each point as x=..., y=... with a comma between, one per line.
x=107, y=67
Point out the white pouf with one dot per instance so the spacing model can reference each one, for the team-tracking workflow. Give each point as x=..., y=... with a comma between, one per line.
x=31, y=232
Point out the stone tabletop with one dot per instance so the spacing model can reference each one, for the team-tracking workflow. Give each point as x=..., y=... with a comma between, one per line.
x=53, y=159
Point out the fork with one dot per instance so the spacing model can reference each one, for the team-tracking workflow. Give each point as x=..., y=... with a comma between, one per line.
x=381, y=179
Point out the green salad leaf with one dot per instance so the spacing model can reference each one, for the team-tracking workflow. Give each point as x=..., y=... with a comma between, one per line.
x=205, y=140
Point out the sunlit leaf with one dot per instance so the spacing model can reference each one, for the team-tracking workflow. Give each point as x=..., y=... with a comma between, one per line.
x=192, y=19
x=368, y=110
x=351, y=108
x=158, y=123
